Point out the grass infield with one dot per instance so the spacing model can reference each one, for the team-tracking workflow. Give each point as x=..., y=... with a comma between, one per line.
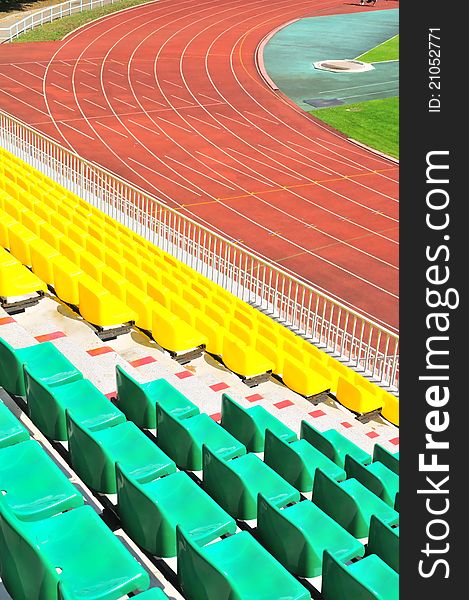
x=374, y=123
x=59, y=28
x=388, y=50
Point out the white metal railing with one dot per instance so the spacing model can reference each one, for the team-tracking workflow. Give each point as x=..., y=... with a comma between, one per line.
x=49, y=14
x=346, y=334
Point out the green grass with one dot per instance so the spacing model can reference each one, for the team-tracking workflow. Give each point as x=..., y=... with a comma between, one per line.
x=59, y=28
x=388, y=50
x=374, y=123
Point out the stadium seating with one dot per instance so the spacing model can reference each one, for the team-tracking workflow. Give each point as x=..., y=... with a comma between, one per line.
x=357, y=398
x=47, y=406
x=182, y=439
x=15, y=279
x=44, y=361
x=333, y=444
x=11, y=430
x=390, y=409
x=95, y=453
x=150, y=511
x=298, y=535
x=236, y=483
x=139, y=400
x=376, y=477
x=249, y=425
x=297, y=461
x=351, y=504
x=384, y=542
x=235, y=567
x=387, y=458
x=367, y=579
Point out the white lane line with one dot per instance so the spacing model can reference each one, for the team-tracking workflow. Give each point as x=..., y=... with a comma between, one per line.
x=218, y=101
x=153, y=100
x=124, y=102
x=59, y=73
x=183, y=100
x=358, y=153
x=88, y=73
x=172, y=83
x=64, y=105
x=28, y=72
x=116, y=73
x=235, y=120
x=174, y=124
x=23, y=102
x=95, y=104
x=186, y=166
x=142, y=72
x=259, y=117
x=365, y=94
x=204, y=122
x=77, y=130
x=88, y=86
x=164, y=176
x=111, y=129
x=342, y=162
x=152, y=87
x=16, y=82
x=272, y=167
x=357, y=87
x=117, y=85
x=234, y=169
x=60, y=87
x=144, y=127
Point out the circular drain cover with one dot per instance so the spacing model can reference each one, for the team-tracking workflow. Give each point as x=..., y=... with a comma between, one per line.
x=343, y=66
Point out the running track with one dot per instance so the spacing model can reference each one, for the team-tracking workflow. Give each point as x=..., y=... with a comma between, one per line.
x=168, y=96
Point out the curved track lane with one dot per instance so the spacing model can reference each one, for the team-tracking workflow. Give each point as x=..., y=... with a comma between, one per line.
x=168, y=96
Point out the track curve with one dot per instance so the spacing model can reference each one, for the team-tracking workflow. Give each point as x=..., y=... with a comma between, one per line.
x=168, y=95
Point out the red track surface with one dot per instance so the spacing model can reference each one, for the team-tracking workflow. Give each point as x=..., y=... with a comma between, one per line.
x=168, y=96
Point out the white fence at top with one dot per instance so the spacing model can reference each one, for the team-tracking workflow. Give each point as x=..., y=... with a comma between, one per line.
x=49, y=14
x=356, y=340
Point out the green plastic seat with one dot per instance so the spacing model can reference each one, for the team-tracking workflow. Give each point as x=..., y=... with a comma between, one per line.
x=94, y=454
x=182, y=439
x=351, y=504
x=139, y=400
x=248, y=425
x=235, y=568
x=387, y=458
x=376, y=477
x=11, y=430
x=150, y=512
x=384, y=542
x=44, y=361
x=153, y=594
x=298, y=535
x=47, y=406
x=297, y=462
x=235, y=484
x=333, y=444
x=75, y=549
x=32, y=485
x=367, y=579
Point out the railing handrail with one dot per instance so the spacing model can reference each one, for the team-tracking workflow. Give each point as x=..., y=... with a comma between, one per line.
x=39, y=17
x=256, y=262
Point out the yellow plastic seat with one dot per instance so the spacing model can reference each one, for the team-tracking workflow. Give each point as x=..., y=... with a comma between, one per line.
x=356, y=398
x=131, y=255
x=112, y=242
x=17, y=280
x=96, y=232
x=13, y=207
x=241, y=332
x=42, y=255
x=30, y=200
x=136, y=276
x=269, y=332
x=340, y=369
x=77, y=234
x=202, y=290
x=51, y=235
x=60, y=221
x=312, y=351
x=142, y=304
x=70, y=249
x=265, y=347
x=32, y=221
x=100, y=307
x=92, y=266
x=6, y=221
x=21, y=240
x=214, y=312
x=248, y=320
x=242, y=359
x=214, y=332
x=158, y=292
x=115, y=283
x=390, y=410
x=173, y=333
x=96, y=248
x=366, y=384
x=172, y=284
x=293, y=349
x=113, y=260
x=66, y=277
x=151, y=270
x=182, y=309
x=303, y=380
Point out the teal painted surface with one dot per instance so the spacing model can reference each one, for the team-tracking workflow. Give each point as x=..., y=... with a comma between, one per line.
x=290, y=54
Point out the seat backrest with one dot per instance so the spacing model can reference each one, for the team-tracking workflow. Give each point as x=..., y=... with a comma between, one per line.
x=221, y=482
x=391, y=461
x=237, y=420
x=362, y=474
x=11, y=369
x=333, y=499
x=282, y=457
x=316, y=439
x=336, y=577
x=384, y=542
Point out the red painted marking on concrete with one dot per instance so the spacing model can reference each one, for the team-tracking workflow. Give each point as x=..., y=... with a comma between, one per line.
x=216, y=416
x=47, y=337
x=346, y=425
x=254, y=398
x=218, y=387
x=6, y=320
x=372, y=434
x=146, y=360
x=395, y=441
x=317, y=413
x=283, y=404
x=99, y=351
x=184, y=374
x=111, y=395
